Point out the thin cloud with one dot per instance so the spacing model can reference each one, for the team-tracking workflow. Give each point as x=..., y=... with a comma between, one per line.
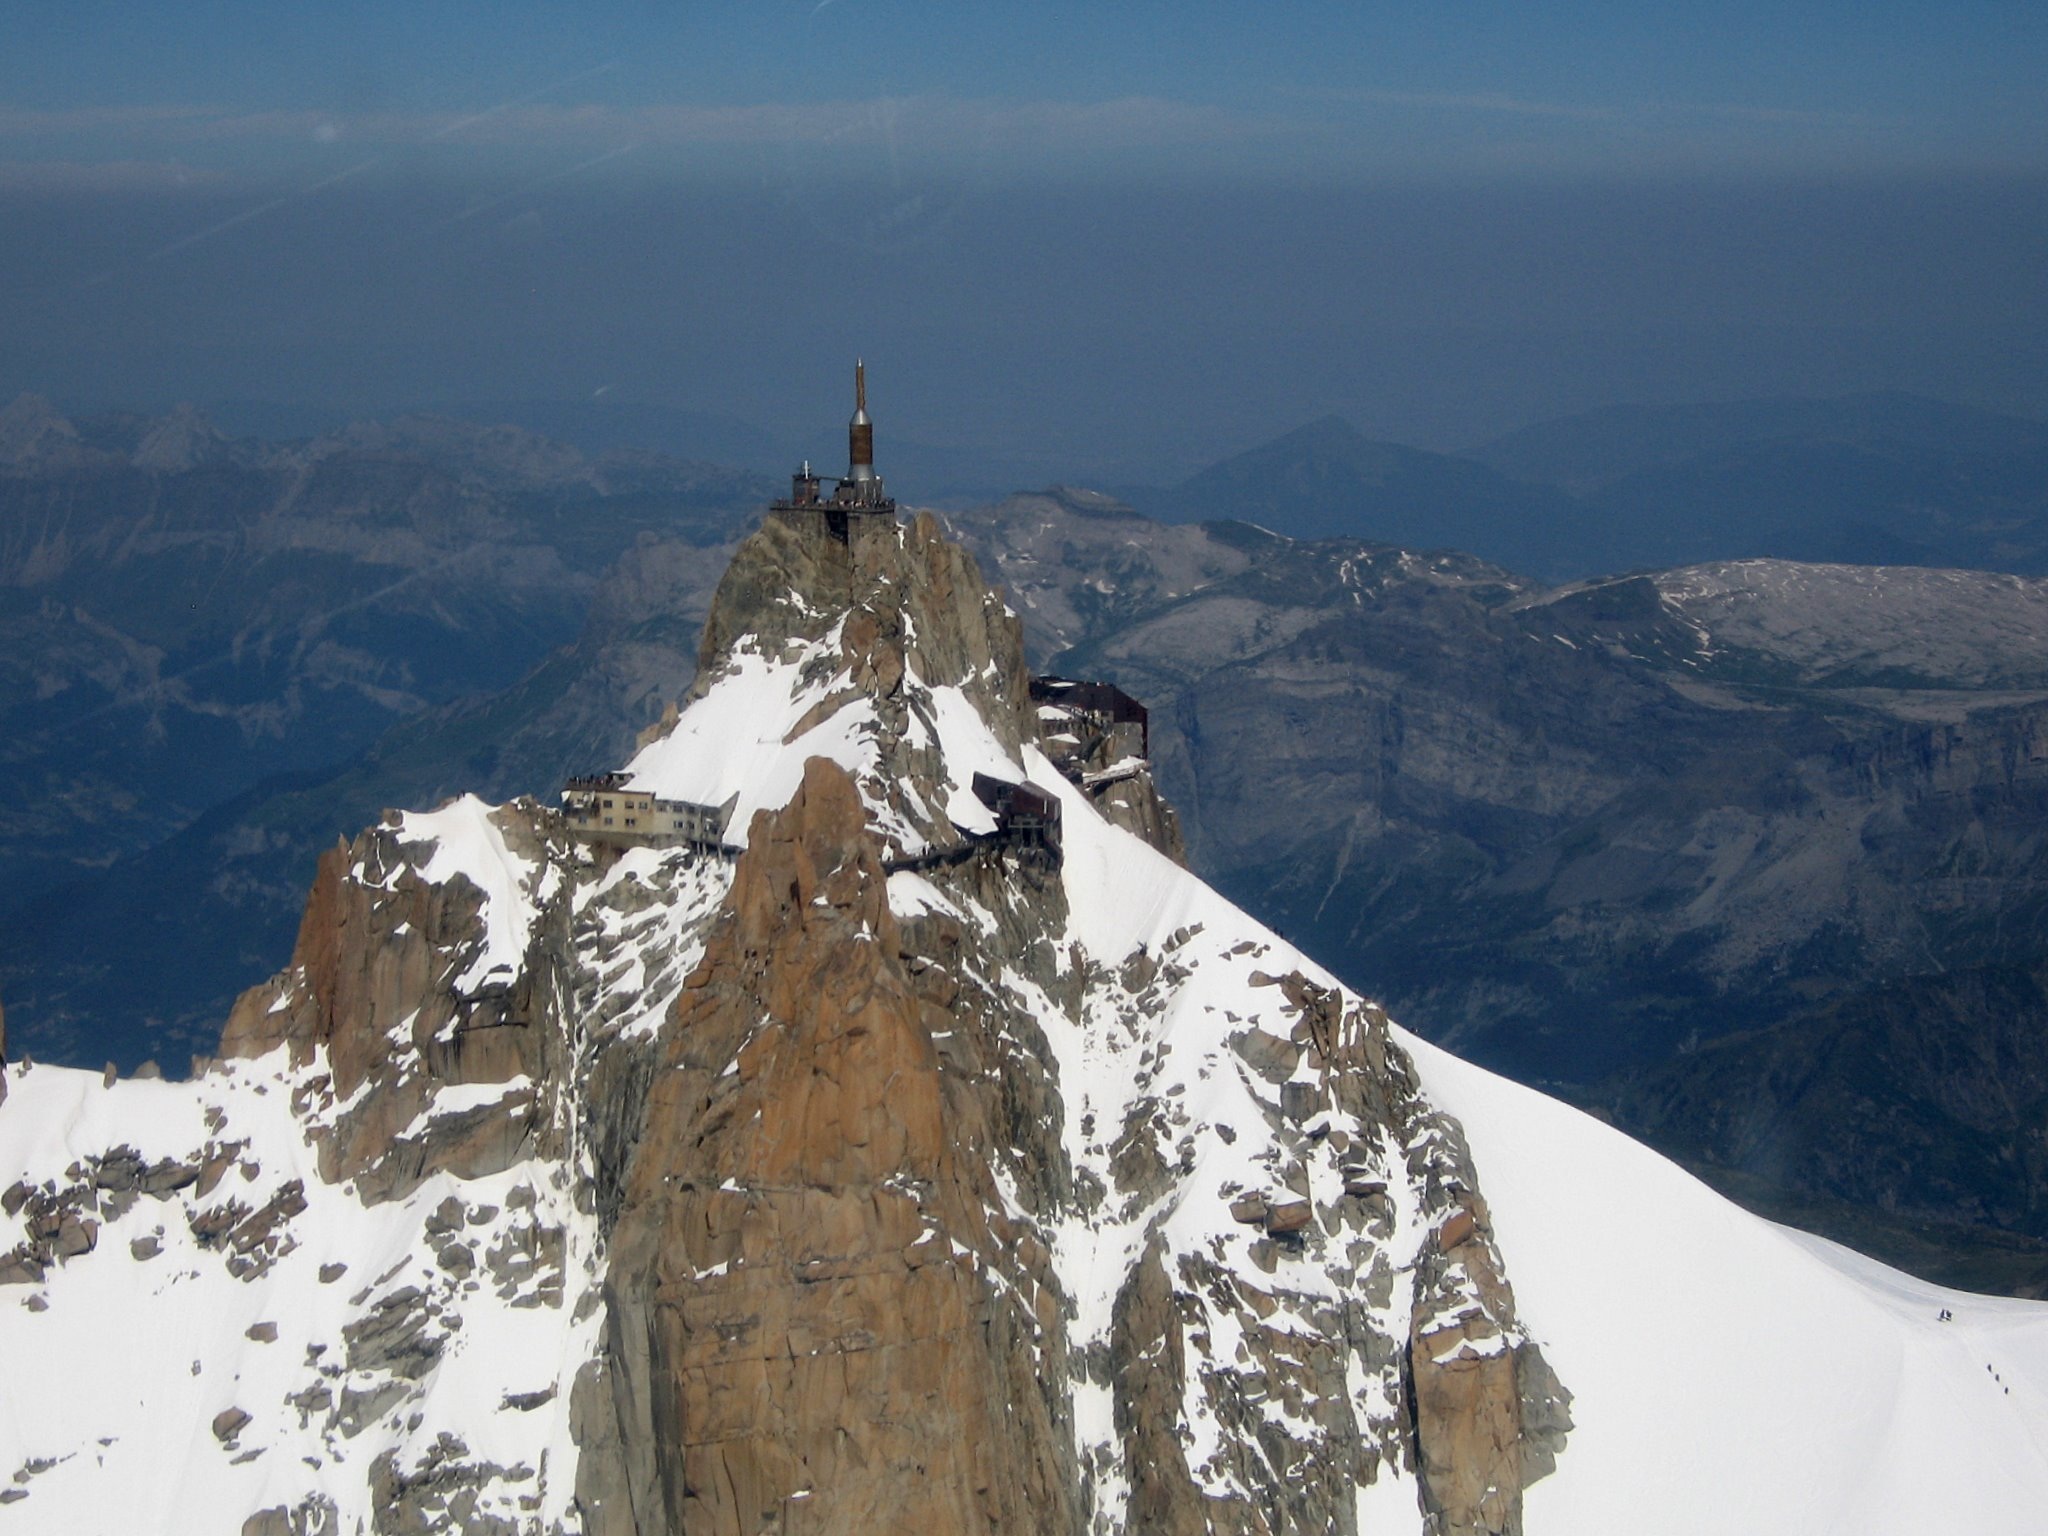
x=1465, y=101
x=529, y=120
x=104, y=176
x=28, y=122
x=1503, y=104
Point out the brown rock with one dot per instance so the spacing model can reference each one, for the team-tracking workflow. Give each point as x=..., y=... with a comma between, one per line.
x=368, y=980
x=1468, y=1429
x=213, y=1170
x=772, y=1284
x=229, y=1423
x=76, y=1235
x=166, y=1177
x=1289, y=1216
x=1299, y=1100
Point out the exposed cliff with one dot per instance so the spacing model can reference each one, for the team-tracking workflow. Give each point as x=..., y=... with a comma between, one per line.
x=894, y=1169
x=189, y=623
x=1582, y=833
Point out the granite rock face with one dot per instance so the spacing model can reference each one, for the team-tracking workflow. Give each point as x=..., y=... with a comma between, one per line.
x=814, y=1292
x=834, y=1273
x=890, y=1166
x=1668, y=843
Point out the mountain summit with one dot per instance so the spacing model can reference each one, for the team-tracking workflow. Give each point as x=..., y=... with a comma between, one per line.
x=848, y=1115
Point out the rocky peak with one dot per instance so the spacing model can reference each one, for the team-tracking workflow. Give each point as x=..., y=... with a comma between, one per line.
x=34, y=436
x=913, y=601
x=872, y=647
x=865, y=1169
x=182, y=440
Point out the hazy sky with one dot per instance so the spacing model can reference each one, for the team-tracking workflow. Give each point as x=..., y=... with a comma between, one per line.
x=1119, y=236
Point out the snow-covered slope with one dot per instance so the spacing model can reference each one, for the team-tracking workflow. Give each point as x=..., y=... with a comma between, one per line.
x=1276, y=1265
x=1734, y=1375
x=129, y=1367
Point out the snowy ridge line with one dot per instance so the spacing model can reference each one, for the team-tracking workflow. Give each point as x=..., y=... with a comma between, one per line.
x=228, y=1368
x=1258, y=1202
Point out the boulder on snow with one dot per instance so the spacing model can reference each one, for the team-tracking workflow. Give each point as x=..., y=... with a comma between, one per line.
x=1290, y=1216
x=76, y=1235
x=1298, y=1100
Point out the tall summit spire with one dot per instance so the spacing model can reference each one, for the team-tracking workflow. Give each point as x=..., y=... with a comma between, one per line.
x=858, y=500
x=860, y=432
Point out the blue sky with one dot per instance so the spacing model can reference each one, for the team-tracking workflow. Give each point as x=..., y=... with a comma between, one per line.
x=1120, y=237
x=1049, y=90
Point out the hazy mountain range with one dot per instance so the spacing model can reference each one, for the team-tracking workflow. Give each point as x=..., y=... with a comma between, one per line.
x=914, y=1155
x=1740, y=853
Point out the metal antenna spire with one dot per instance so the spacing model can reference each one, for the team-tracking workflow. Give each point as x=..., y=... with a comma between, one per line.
x=860, y=466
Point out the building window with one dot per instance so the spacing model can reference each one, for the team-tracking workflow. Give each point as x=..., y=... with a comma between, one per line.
x=629, y=821
x=607, y=805
x=607, y=821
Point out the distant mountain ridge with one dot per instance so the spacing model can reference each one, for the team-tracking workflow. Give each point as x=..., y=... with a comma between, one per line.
x=1888, y=479
x=1328, y=480
x=1584, y=452
x=185, y=616
x=1563, y=825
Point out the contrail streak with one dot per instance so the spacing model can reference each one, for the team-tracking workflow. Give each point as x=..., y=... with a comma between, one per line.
x=520, y=101
x=447, y=131
x=262, y=208
x=520, y=191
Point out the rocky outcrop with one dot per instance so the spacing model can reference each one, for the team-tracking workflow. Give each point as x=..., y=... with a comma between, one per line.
x=375, y=579
x=1465, y=1402
x=1580, y=833
x=879, y=1173
x=904, y=612
x=813, y=1293
x=372, y=985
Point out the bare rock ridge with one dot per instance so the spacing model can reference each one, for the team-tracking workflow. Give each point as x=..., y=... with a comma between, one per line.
x=874, y=1170
x=814, y=1291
